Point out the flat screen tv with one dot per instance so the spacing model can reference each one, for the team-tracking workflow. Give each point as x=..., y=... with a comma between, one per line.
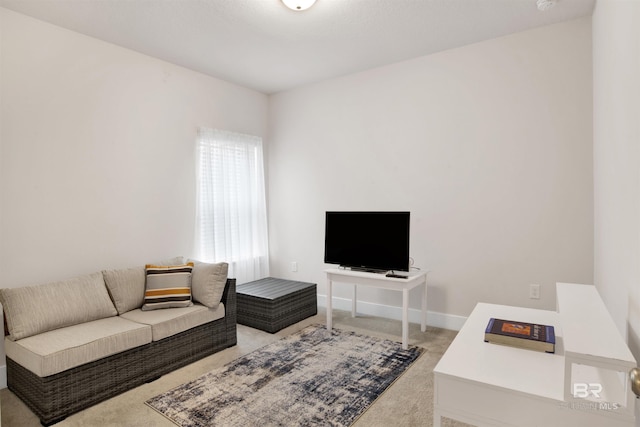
x=369, y=241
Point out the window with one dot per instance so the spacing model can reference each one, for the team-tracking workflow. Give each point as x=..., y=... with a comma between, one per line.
x=231, y=214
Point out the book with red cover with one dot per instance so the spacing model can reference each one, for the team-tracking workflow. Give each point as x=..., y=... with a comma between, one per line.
x=520, y=334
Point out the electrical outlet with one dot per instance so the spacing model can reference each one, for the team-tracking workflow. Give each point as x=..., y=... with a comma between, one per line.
x=294, y=266
x=534, y=291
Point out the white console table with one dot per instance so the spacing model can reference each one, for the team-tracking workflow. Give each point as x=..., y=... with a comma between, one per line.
x=583, y=384
x=381, y=281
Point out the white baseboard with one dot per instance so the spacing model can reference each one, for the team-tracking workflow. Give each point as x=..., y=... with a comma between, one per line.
x=435, y=319
x=3, y=376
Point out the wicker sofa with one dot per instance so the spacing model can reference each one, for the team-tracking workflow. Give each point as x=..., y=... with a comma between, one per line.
x=75, y=343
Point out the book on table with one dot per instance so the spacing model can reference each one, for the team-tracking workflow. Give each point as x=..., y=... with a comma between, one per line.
x=521, y=334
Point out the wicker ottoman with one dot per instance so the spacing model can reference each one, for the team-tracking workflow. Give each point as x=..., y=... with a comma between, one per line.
x=272, y=304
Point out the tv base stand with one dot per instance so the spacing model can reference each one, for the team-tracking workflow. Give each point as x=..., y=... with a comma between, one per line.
x=380, y=281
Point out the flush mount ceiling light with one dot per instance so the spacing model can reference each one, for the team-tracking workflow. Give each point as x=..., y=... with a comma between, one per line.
x=298, y=5
x=545, y=5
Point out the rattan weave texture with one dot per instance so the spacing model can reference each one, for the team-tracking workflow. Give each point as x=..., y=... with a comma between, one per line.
x=272, y=304
x=55, y=397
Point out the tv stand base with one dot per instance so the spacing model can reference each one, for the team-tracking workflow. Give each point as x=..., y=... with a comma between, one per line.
x=413, y=280
x=364, y=270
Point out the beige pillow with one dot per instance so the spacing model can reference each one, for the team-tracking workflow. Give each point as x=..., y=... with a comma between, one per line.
x=208, y=282
x=179, y=260
x=126, y=287
x=32, y=310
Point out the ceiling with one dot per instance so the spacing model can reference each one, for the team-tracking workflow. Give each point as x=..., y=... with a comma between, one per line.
x=263, y=45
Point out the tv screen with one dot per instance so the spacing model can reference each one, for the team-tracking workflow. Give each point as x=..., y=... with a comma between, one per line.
x=370, y=241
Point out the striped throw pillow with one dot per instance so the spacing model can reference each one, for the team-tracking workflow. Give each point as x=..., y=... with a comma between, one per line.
x=167, y=286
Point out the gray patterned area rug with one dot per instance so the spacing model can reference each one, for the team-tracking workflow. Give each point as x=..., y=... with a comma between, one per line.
x=313, y=377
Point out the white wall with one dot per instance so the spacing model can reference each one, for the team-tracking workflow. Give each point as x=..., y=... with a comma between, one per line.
x=3, y=370
x=489, y=146
x=616, y=91
x=97, y=167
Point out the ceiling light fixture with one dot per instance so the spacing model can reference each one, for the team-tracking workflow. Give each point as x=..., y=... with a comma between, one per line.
x=298, y=5
x=544, y=5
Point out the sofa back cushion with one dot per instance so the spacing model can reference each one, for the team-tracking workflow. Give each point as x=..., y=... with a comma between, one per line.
x=208, y=282
x=32, y=310
x=126, y=287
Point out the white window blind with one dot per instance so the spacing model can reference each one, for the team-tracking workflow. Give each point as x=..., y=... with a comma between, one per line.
x=231, y=214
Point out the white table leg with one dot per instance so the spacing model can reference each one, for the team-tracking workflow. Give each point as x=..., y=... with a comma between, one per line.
x=353, y=301
x=405, y=319
x=329, y=308
x=437, y=418
x=423, y=325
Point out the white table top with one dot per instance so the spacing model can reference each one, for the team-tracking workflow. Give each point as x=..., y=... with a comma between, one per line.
x=530, y=372
x=377, y=280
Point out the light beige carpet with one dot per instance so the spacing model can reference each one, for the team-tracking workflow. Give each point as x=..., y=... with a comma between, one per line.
x=408, y=402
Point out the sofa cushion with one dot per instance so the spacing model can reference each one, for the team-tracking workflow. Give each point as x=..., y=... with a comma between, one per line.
x=178, y=260
x=126, y=287
x=208, y=282
x=171, y=321
x=61, y=349
x=32, y=310
x=167, y=286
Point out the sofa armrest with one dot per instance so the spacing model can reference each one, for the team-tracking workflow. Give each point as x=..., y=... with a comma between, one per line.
x=229, y=300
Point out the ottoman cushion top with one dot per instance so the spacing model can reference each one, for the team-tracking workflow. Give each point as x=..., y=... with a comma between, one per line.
x=271, y=288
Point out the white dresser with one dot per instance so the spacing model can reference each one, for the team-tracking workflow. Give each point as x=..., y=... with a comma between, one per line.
x=584, y=383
